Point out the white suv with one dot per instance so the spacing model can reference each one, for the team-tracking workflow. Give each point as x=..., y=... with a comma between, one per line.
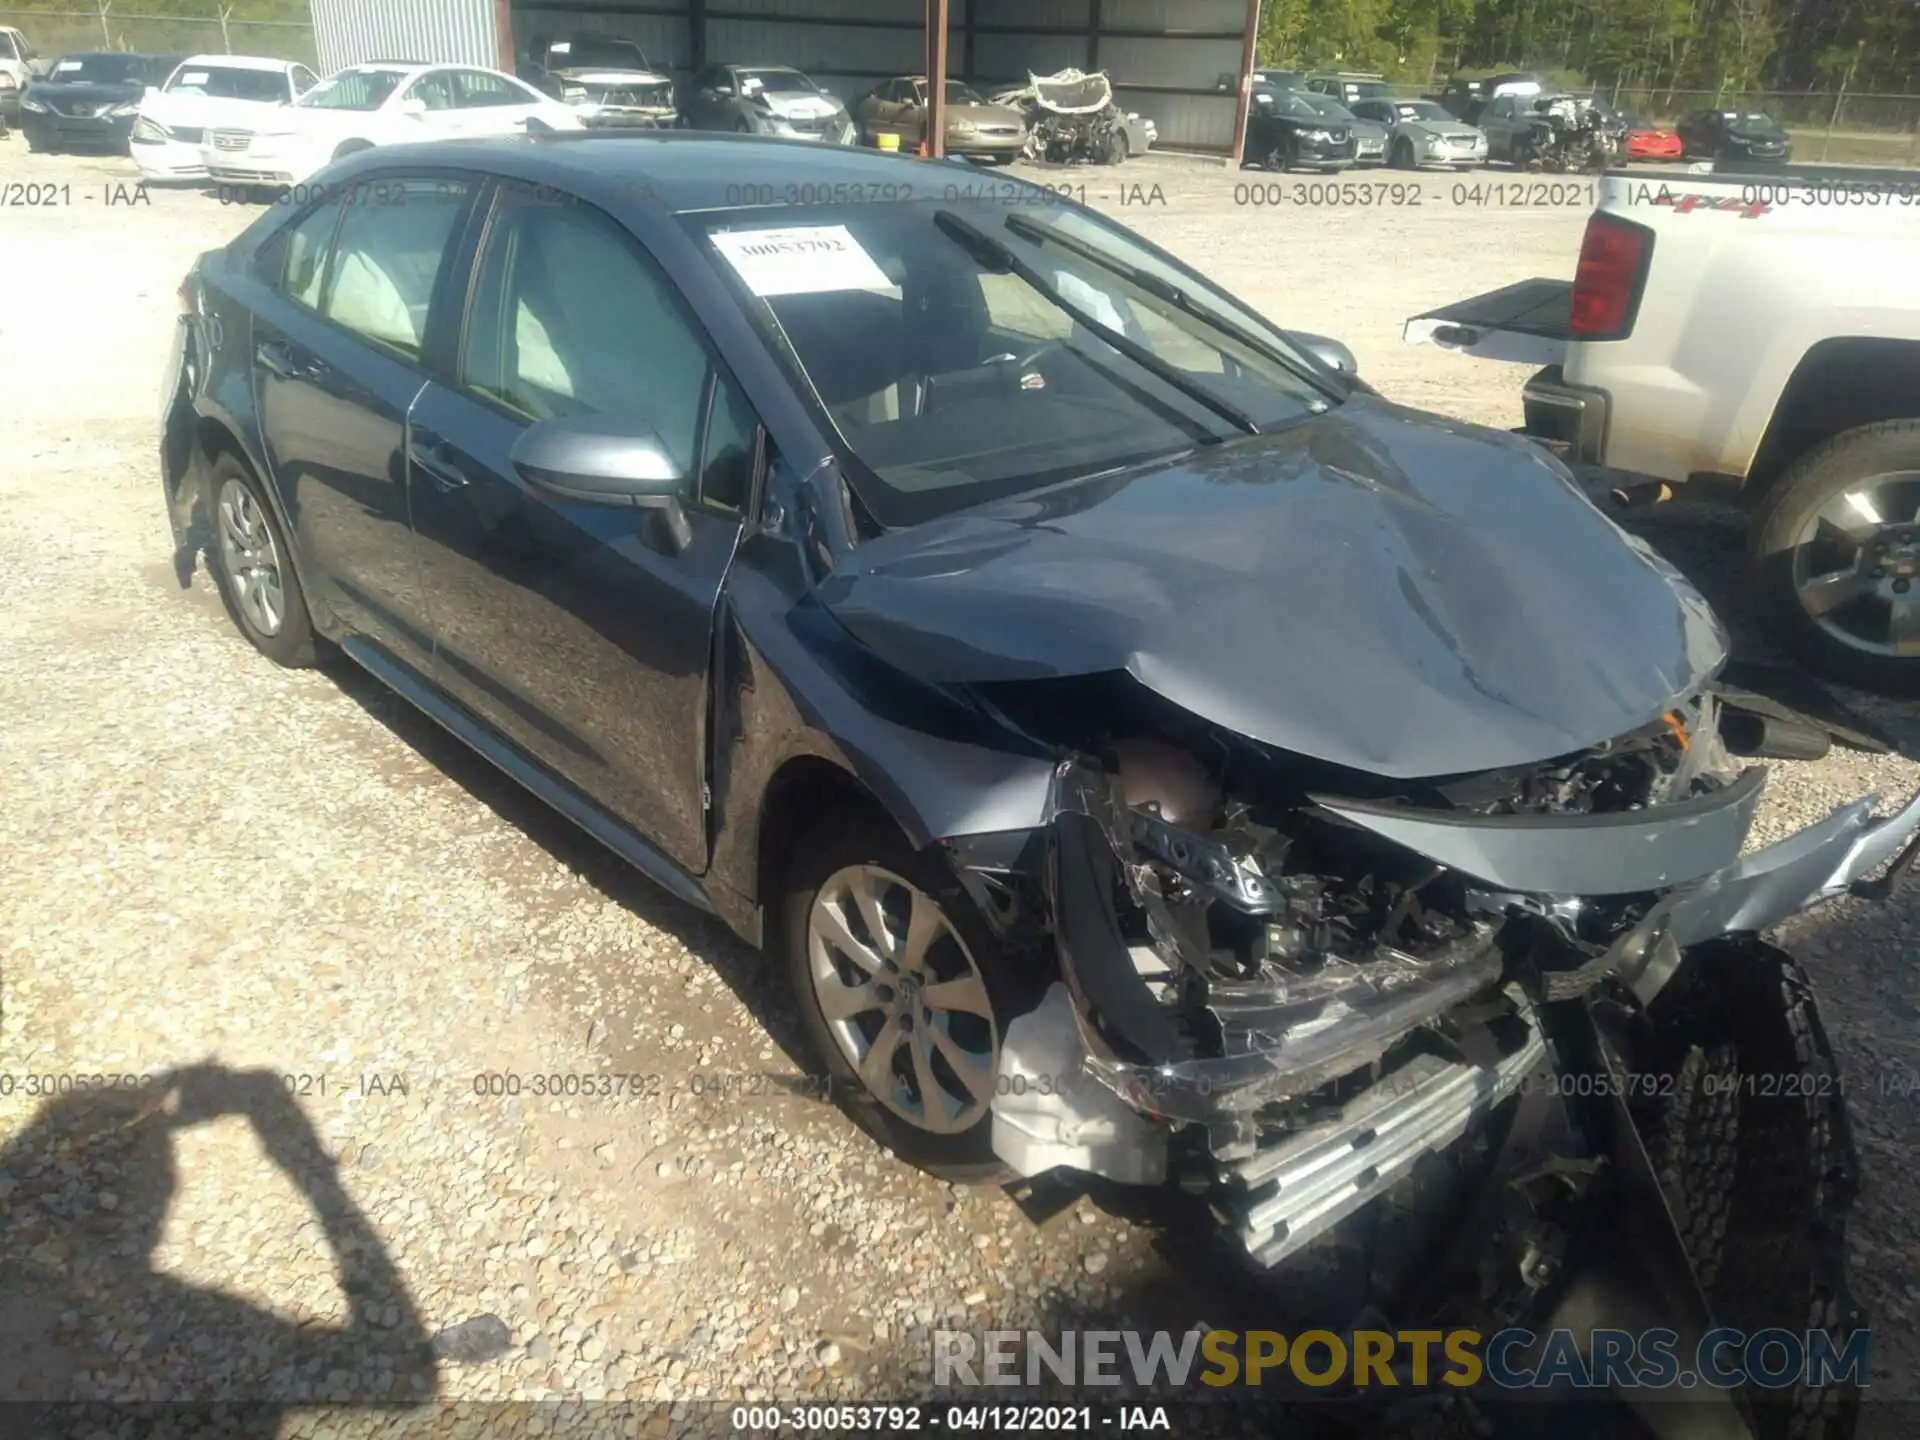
x=379, y=104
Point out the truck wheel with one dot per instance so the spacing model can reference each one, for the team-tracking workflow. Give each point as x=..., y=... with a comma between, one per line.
x=903, y=993
x=1835, y=548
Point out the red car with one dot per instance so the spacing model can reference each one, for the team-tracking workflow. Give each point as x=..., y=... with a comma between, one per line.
x=1653, y=142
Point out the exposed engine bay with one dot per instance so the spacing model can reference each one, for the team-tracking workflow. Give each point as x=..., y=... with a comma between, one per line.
x=1289, y=1000
x=1571, y=134
x=1071, y=117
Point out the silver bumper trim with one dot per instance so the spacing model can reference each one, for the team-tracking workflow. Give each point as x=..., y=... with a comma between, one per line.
x=1289, y=1193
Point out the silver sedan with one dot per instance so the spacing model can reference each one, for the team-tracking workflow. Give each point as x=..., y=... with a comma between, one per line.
x=1421, y=132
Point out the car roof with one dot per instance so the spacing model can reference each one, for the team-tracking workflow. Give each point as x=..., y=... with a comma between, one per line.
x=683, y=170
x=240, y=62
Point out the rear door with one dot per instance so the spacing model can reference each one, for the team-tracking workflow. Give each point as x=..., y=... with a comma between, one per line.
x=573, y=629
x=337, y=362
x=489, y=104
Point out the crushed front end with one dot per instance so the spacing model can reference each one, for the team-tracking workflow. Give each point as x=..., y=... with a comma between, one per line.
x=1286, y=998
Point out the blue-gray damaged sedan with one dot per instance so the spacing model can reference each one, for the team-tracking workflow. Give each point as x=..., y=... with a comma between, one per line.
x=1143, y=748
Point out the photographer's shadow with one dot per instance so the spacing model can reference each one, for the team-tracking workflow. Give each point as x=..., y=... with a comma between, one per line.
x=84, y=1194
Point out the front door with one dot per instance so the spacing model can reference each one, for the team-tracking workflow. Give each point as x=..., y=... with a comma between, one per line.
x=337, y=363
x=570, y=627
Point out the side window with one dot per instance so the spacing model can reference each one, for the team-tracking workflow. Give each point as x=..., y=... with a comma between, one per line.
x=476, y=88
x=303, y=247
x=386, y=259
x=435, y=91
x=570, y=318
x=303, y=80
x=726, y=459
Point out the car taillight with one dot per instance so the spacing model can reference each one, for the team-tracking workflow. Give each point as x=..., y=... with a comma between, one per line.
x=1606, y=286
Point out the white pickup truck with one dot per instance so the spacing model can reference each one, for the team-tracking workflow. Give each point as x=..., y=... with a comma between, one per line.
x=1761, y=330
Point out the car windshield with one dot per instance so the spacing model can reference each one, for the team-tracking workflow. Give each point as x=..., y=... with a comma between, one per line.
x=964, y=354
x=352, y=90
x=958, y=94
x=102, y=69
x=596, y=54
x=1420, y=110
x=7, y=52
x=775, y=80
x=1752, y=120
x=1297, y=104
x=228, y=82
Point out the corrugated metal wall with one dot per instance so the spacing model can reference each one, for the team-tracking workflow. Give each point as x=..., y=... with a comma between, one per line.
x=1166, y=56
x=349, y=32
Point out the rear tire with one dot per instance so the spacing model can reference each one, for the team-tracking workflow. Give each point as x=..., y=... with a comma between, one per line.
x=1778, y=534
x=253, y=568
x=828, y=869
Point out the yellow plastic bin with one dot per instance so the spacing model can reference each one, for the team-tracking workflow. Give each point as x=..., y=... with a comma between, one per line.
x=887, y=142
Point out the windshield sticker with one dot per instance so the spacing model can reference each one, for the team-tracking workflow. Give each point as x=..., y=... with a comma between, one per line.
x=67, y=67
x=1090, y=298
x=194, y=77
x=803, y=260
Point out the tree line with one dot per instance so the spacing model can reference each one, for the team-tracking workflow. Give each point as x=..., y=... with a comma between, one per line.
x=1719, y=45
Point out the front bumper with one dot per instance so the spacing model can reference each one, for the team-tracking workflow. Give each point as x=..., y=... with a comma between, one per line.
x=974, y=143
x=1433, y=152
x=260, y=164
x=80, y=132
x=167, y=159
x=1569, y=420
x=616, y=119
x=1137, y=1081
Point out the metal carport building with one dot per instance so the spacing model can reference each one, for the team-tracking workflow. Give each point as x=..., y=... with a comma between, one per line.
x=1182, y=63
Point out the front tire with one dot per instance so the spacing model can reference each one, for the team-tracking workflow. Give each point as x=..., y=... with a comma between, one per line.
x=1844, y=589
x=251, y=565
x=903, y=993
x=1403, y=155
x=1280, y=157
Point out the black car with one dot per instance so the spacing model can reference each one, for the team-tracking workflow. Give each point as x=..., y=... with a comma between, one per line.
x=88, y=101
x=1287, y=130
x=1736, y=135
x=1141, y=746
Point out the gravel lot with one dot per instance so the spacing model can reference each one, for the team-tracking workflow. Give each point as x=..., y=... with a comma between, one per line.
x=214, y=865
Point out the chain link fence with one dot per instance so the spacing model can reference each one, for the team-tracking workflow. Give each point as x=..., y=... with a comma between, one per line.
x=208, y=28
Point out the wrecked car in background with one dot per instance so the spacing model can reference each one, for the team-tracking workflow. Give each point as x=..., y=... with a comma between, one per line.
x=1143, y=748
x=1071, y=116
x=609, y=82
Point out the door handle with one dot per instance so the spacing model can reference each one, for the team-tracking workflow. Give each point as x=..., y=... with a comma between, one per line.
x=278, y=358
x=428, y=453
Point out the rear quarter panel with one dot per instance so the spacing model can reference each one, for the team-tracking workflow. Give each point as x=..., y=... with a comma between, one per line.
x=1734, y=298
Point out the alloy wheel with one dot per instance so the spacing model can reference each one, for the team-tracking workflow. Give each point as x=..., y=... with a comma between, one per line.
x=903, y=998
x=1856, y=565
x=251, y=559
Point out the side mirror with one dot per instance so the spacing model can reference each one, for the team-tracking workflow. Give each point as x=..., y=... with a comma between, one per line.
x=598, y=460
x=1327, y=351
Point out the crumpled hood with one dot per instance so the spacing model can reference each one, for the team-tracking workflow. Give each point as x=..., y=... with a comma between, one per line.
x=1376, y=587
x=799, y=104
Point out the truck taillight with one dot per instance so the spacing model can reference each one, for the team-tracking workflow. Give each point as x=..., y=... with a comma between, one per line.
x=1606, y=287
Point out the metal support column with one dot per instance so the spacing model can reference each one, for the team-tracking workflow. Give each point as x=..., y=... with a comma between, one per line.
x=1249, y=57
x=933, y=142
